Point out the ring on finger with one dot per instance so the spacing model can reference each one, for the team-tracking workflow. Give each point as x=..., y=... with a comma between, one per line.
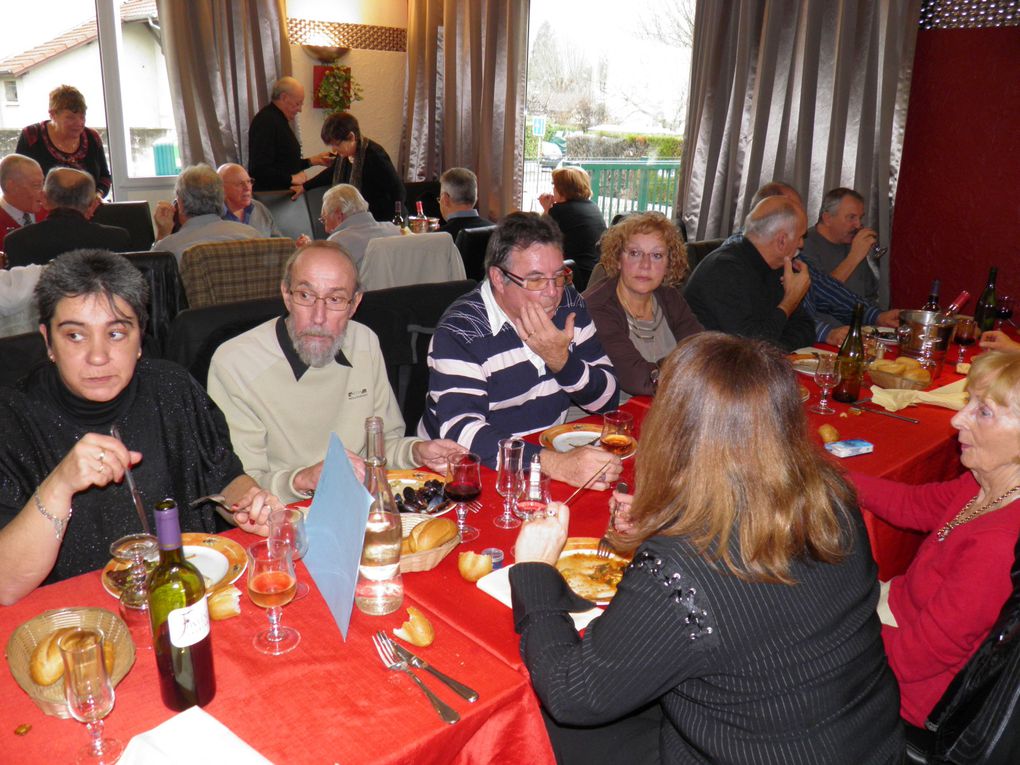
x=102, y=455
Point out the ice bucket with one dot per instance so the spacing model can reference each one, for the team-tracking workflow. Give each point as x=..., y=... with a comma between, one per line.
x=926, y=336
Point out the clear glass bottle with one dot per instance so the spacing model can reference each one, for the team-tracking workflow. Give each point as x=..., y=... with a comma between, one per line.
x=380, y=588
x=179, y=614
x=851, y=361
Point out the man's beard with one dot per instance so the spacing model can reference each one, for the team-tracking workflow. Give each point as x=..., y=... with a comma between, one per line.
x=310, y=352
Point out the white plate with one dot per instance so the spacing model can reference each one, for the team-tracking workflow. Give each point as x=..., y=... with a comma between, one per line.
x=212, y=565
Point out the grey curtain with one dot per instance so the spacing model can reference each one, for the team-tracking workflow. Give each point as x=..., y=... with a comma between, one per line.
x=222, y=57
x=464, y=103
x=811, y=93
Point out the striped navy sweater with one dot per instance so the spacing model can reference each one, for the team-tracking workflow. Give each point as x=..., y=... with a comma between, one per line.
x=483, y=387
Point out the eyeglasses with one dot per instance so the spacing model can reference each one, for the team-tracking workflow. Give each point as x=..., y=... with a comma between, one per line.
x=537, y=283
x=639, y=255
x=332, y=302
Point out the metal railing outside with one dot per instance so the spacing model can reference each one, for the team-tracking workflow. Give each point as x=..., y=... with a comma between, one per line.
x=625, y=185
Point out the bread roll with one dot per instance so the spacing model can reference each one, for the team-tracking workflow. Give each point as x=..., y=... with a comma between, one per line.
x=828, y=433
x=432, y=533
x=917, y=374
x=46, y=665
x=417, y=630
x=225, y=603
x=473, y=566
x=406, y=546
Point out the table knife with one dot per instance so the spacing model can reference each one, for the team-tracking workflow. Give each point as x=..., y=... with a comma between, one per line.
x=872, y=410
x=419, y=663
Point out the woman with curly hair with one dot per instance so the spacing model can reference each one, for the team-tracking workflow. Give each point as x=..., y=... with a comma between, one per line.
x=639, y=311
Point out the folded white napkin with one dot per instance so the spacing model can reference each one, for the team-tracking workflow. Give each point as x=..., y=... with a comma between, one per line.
x=951, y=396
x=193, y=736
x=497, y=584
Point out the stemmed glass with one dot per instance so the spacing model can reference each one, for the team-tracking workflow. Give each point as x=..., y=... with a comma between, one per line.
x=534, y=497
x=271, y=585
x=966, y=334
x=826, y=377
x=288, y=525
x=463, y=484
x=1004, y=312
x=134, y=594
x=89, y=692
x=509, y=479
x=617, y=432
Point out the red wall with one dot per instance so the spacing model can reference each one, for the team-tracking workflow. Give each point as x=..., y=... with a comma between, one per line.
x=958, y=202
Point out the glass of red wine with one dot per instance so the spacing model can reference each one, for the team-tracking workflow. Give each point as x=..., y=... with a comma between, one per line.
x=463, y=484
x=271, y=585
x=966, y=335
x=1004, y=312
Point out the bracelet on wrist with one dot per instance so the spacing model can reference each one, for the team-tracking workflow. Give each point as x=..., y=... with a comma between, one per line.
x=59, y=524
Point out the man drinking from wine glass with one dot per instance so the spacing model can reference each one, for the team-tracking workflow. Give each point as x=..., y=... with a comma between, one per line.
x=508, y=358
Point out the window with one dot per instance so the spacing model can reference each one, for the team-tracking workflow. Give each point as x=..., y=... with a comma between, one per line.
x=11, y=91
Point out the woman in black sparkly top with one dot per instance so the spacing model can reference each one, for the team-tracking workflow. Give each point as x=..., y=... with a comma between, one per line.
x=62, y=495
x=746, y=623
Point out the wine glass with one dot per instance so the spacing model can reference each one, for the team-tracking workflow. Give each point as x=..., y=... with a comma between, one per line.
x=288, y=525
x=271, y=585
x=826, y=377
x=535, y=497
x=463, y=484
x=136, y=549
x=509, y=479
x=966, y=335
x=617, y=432
x=1004, y=312
x=89, y=692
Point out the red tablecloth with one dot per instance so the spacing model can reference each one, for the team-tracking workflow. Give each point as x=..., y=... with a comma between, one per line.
x=327, y=701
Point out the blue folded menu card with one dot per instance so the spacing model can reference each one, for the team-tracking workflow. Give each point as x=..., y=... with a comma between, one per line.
x=336, y=531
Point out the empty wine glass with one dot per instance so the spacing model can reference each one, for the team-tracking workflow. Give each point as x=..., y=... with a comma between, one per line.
x=826, y=377
x=89, y=692
x=288, y=525
x=509, y=479
x=966, y=335
x=271, y=585
x=463, y=484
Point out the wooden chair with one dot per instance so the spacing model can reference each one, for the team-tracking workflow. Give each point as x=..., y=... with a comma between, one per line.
x=228, y=272
x=292, y=216
x=134, y=216
x=395, y=261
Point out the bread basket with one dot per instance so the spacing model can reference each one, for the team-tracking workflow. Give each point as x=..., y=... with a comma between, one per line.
x=50, y=698
x=896, y=382
x=427, y=559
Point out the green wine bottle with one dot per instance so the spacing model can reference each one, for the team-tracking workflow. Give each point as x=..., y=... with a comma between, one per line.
x=987, y=305
x=179, y=615
x=851, y=361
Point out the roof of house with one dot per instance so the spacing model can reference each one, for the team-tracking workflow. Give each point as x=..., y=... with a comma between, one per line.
x=76, y=37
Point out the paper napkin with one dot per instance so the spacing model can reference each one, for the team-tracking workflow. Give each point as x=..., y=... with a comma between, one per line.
x=497, y=584
x=193, y=736
x=950, y=396
x=336, y=531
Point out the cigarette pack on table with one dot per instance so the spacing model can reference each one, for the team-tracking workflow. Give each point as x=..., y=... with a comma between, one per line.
x=850, y=448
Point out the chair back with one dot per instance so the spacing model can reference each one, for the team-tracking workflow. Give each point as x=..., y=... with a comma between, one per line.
x=394, y=261
x=313, y=200
x=228, y=272
x=196, y=333
x=405, y=319
x=696, y=251
x=472, y=242
x=166, y=292
x=977, y=720
x=19, y=355
x=134, y=216
x=426, y=192
x=291, y=216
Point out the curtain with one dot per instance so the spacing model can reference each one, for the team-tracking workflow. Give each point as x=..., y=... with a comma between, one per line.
x=811, y=93
x=222, y=57
x=464, y=103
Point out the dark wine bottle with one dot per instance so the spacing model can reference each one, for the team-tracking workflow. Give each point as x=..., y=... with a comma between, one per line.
x=933, y=298
x=179, y=615
x=987, y=308
x=851, y=361
x=399, y=220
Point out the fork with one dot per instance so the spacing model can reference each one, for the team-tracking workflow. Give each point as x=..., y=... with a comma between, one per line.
x=216, y=499
x=606, y=549
x=391, y=662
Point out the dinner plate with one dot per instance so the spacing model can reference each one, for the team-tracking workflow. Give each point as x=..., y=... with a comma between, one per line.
x=221, y=561
x=570, y=435
x=413, y=479
x=806, y=366
x=588, y=575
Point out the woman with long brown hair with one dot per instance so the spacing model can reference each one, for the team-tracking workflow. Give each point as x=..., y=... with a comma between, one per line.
x=747, y=618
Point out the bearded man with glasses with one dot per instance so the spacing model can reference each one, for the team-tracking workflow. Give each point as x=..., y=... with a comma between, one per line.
x=511, y=356
x=285, y=385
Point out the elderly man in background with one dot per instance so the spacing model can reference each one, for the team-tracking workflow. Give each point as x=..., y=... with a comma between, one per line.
x=239, y=204
x=285, y=385
x=840, y=246
x=71, y=199
x=198, y=205
x=349, y=223
x=751, y=286
x=509, y=357
x=274, y=152
x=21, y=182
x=458, y=195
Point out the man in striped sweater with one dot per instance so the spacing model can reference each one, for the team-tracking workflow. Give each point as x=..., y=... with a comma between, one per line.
x=508, y=358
